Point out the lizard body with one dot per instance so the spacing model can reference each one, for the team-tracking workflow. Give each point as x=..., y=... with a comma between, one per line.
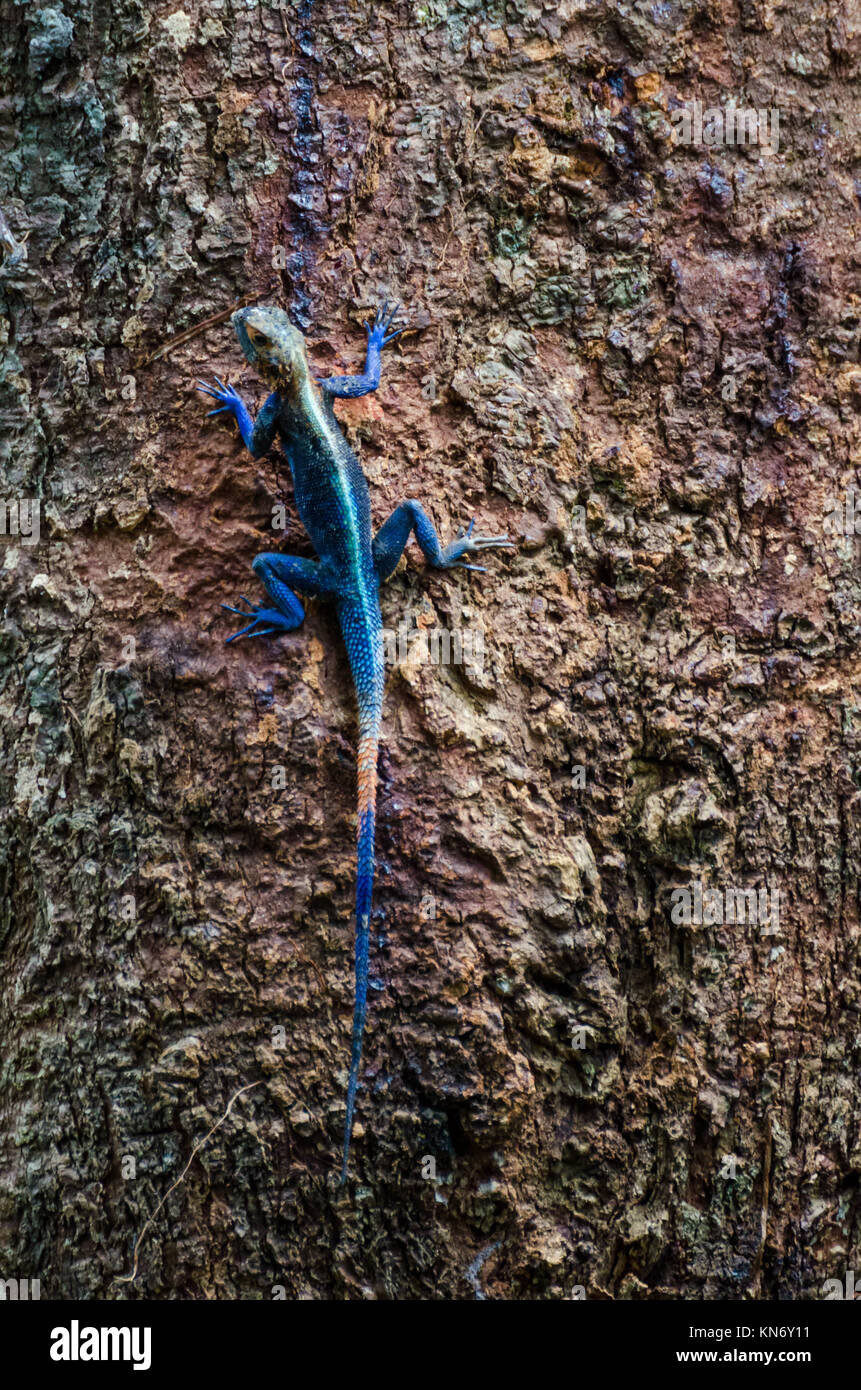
x=334, y=506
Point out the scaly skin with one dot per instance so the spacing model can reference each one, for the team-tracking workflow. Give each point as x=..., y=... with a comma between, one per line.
x=333, y=502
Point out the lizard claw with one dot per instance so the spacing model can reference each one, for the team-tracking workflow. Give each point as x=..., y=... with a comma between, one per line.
x=243, y=612
x=226, y=396
x=466, y=543
x=381, y=331
x=273, y=620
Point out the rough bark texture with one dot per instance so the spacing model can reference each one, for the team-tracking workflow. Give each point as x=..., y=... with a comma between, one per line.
x=638, y=357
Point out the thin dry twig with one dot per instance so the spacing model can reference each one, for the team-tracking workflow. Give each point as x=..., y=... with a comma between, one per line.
x=130, y=1278
x=200, y=328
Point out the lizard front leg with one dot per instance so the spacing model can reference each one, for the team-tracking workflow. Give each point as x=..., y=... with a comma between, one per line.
x=257, y=435
x=379, y=335
x=391, y=539
x=280, y=575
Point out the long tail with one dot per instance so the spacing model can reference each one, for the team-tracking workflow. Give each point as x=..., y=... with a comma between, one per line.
x=369, y=740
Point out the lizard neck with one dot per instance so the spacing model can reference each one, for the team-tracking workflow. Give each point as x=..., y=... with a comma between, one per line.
x=307, y=400
x=298, y=387
x=290, y=377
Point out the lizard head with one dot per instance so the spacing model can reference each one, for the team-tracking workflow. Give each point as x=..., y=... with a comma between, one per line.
x=271, y=344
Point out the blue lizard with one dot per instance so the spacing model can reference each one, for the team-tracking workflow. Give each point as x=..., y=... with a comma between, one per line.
x=333, y=502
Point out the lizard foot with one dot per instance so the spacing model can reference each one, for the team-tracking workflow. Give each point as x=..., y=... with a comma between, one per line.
x=273, y=620
x=381, y=332
x=465, y=544
x=227, y=396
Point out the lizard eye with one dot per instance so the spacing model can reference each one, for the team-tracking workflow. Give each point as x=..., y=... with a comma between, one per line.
x=257, y=337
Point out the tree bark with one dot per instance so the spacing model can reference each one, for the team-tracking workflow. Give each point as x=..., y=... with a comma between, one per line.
x=637, y=355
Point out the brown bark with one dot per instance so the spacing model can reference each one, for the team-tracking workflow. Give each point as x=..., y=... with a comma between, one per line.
x=640, y=358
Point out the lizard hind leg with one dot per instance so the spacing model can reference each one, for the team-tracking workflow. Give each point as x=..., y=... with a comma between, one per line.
x=410, y=518
x=280, y=575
